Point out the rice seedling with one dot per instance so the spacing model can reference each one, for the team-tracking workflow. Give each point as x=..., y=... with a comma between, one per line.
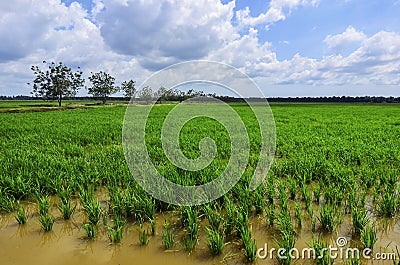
x=298, y=213
x=93, y=211
x=259, y=202
x=271, y=215
x=43, y=203
x=213, y=216
x=388, y=204
x=143, y=236
x=328, y=217
x=230, y=216
x=359, y=219
x=168, y=238
x=306, y=195
x=317, y=192
x=216, y=240
x=7, y=202
x=287, y=243
x=249, y=242
x=292, y=188
x=191, y=222
x=153, y=227
x=285, y=223
x=20, y=215
x=90, y=230
x=115, y=233
x=46, y=221
x=270, y=190
x=322, y=256
x=368, y=236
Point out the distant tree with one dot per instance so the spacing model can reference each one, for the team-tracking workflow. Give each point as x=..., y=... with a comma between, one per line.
x=164, y=94
x=57, y=82
x=146, y=94
x=103, y=85
x=129, y=88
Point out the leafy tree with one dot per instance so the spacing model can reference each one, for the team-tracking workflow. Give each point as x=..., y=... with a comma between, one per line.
x=146, y=94
x=164, y=94
x=57, y=82
x=129, y=88
x=103, y=85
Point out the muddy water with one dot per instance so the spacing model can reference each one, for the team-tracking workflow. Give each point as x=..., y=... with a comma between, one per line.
x=67, y=243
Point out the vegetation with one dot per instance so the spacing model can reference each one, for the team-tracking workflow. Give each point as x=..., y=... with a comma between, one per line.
x=57, y=82
x=103, y=85
x=333, y=163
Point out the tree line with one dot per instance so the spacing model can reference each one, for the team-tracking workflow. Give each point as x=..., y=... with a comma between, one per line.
x=58, y=81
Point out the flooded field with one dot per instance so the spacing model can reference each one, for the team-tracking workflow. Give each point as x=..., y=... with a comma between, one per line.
x=67, y=243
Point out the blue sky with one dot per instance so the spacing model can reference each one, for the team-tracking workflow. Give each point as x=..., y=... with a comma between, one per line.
x=289, y=47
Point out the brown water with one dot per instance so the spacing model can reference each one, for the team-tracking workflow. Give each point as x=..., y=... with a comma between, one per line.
x=67, y=243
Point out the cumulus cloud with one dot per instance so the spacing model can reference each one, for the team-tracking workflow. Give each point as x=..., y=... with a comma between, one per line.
x=159, y=33
x=278, y=10
x=342, y=40
x=375, y=62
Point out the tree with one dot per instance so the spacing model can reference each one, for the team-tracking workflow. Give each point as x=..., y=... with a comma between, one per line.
x=164, y=94
x=146, y=94
x=129, y=88
x=102, y=85
x=57, y=82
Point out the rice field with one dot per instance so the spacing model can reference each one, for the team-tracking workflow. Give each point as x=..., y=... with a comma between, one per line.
x=66, y=190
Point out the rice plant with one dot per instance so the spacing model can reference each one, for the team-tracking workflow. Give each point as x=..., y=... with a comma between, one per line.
x=153, y=227
x=90, y=230
x=229, y=220
x=168, y=238
x=115, y=232
x=317, y=192
x=292, y=188
x=368, y=236
x=249, y=242
x=298, y=213
x=359, y=219
x=328, y=217
x=143, y=236
x=215, y=241
x=65, y=206
x=46, y=221
x=287, y=243
x=93, y=211
x=271, y=215
x=43, y=203
x=388, y=204
x=7, y=202
x=322, y=256
x=213, y=216
x=306, y=195
x=20, y=215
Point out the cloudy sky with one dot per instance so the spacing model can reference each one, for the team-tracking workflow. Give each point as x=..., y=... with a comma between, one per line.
x=289, y=47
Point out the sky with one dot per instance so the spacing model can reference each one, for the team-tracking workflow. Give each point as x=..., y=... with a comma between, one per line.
x=290, y=48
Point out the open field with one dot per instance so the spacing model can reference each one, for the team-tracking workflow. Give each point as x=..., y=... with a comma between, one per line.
x=336, y=174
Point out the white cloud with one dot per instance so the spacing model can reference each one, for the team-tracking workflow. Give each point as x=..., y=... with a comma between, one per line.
x=375, y=62
x=342, y=40
x=278, y=10
x=159, y=33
